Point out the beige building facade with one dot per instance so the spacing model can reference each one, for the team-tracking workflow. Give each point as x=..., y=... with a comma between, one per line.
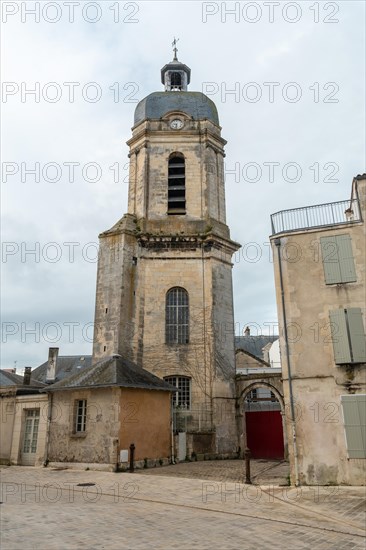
x=319, y=265
x=164, y=284
x=23, y=428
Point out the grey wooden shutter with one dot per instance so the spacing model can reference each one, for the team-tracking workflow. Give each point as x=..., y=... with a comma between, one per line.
x=332, y=270
x=357, y=334
x=339, y=336
x=354, y=415
x=338, y=262
x=345, y=257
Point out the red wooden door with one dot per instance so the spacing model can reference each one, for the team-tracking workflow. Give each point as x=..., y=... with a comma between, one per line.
x=265, y=434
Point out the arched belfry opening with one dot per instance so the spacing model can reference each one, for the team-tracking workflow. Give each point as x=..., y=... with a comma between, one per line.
x=176, y=81
x=176, y=184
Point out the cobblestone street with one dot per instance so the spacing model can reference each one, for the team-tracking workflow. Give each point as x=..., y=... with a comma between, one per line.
x=154, y=509
x=264, y=472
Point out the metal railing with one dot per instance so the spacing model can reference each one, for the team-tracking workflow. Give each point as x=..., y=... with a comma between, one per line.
x=191, y=420
x=319, y=215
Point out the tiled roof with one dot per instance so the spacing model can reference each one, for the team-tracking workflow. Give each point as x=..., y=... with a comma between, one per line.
x=112, y=371
x=253, y=344
x=66, y=366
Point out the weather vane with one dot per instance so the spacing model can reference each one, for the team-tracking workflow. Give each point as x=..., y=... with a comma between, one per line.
x=175, y=49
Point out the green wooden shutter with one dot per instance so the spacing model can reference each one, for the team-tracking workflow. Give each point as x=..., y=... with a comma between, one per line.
x=345, y=257
x=338, y=262
x=354, y=414
x=339, y=334
x=357, y=334
x=332, y=270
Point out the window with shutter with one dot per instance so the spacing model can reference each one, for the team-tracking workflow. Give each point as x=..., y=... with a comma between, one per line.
x=354, y=416
x=338, y=263
x=348, y=336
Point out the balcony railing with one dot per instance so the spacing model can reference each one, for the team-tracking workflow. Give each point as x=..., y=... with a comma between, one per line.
x=319, y=215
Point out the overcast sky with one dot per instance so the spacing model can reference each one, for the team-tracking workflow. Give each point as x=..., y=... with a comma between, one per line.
x=298, y=73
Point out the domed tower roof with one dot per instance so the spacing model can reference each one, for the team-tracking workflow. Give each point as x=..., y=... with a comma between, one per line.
x=195, y=104
x=176, y=76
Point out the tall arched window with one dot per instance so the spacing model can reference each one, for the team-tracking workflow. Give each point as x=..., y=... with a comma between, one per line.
x=177, y=316
x=176, y=184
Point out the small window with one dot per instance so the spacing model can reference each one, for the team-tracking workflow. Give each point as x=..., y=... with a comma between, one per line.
x=181, y=398
x=80, y=416
x=338, y=263
x=177, y=316
x=354, y=415
x=176, y=185
x=348, y=336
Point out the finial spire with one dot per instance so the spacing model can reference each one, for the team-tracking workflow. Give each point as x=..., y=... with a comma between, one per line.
x=175, y=49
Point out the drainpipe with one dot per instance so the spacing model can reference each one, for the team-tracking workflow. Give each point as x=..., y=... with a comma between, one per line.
x=49, y=418
x=292, y=407
x=172, y=433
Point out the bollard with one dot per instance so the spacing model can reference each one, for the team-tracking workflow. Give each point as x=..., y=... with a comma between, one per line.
x=247, y=455
x=132, y=454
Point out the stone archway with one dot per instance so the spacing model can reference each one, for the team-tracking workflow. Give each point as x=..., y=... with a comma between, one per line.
x=265, y=424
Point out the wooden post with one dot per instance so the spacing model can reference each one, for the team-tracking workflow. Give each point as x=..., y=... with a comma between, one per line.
x=132, y=455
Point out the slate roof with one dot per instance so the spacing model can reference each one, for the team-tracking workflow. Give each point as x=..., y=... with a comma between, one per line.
x=11, y=379
x=66, y=366
x=253, y=344
x=112, y=371
x=158, y=104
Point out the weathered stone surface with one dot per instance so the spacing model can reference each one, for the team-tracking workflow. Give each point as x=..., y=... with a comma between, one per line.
x=317, y=382
x=149, y=252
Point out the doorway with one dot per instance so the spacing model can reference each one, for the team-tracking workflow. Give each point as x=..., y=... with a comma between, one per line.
x=29, y=446
x=264, y=427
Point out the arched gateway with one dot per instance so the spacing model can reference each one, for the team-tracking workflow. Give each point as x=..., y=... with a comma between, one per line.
x=262, y=415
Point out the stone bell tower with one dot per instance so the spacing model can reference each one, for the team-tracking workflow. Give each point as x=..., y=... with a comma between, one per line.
x=164, y=286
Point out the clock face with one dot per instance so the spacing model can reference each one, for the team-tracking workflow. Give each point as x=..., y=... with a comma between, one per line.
x=176, y=124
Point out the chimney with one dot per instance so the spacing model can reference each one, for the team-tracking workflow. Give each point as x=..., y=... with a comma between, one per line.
x=27, y=376
x=51, y=365
x=247, y=331
x=265, y=352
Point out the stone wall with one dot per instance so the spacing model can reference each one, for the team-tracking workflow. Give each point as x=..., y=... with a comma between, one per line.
x=7, y=417
x=99, y=443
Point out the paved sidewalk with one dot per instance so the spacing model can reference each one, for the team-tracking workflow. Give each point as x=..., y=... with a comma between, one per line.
x=51, y=509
